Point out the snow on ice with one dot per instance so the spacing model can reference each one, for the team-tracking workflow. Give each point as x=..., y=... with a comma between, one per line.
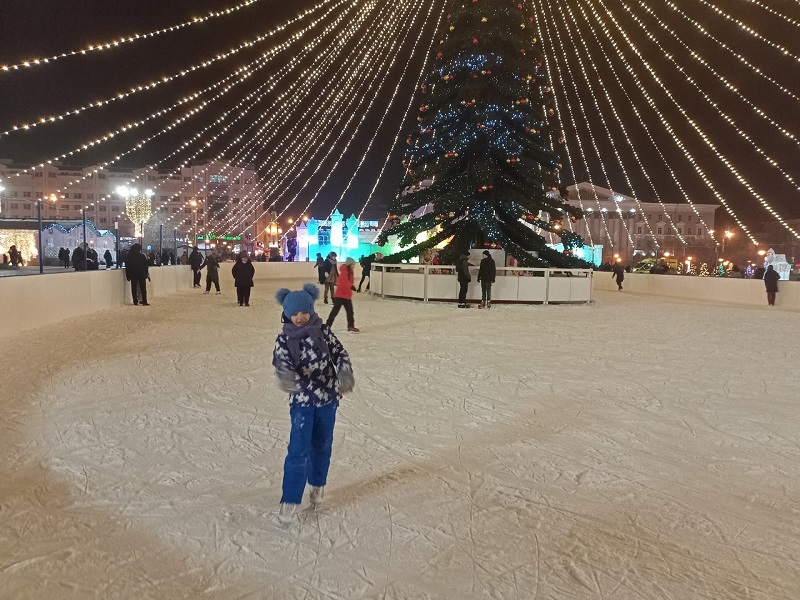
x=636, y=448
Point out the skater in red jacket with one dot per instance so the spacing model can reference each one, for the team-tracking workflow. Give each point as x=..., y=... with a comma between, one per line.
x=343, y=296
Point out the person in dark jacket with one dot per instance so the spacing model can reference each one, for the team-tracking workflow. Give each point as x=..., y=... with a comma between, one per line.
x=92, y=260
x=462, y=271
x=78, y=257
x=243, y=272
x=195, y=262
x=759, y=273
x=771, y=278
x=366, y=267
x=109, y=259
x=331, y=275
x=320, y=265
x=137, y=272
x=486, y=275
x=212, y=274
x=618, y=272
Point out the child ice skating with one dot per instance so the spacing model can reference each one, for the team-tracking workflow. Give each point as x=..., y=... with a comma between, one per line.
x=313, y=366
x=343, y=296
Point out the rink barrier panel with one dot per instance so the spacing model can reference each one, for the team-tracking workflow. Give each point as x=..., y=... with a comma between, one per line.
x=718, y=290
x=31, y=301
x=517, y=285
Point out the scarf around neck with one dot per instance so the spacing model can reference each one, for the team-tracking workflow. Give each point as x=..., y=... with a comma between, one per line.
x=295, y=336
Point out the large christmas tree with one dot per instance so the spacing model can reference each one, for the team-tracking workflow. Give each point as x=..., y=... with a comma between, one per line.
x=479, y=169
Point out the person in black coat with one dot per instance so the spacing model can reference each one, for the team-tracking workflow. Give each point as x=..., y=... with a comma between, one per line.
x=462, y=271
x=243, y=272
x=137, y=272
x=618, y=273
x=320, y=265
x=771, y=278
x=195, y=262
x=109, y=259
x=78, y=257
x=366, y=267
x=486, y=275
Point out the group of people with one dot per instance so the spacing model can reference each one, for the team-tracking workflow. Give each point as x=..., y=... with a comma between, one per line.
x=338, y=282
x=13, y=258
x=487, y=272
x=243, y=272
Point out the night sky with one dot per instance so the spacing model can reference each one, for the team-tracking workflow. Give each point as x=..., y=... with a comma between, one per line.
x=56, y=27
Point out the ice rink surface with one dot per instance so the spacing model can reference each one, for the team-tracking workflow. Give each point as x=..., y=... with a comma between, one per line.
x=633, y=449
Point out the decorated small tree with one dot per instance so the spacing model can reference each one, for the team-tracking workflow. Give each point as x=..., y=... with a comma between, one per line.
x=479, y=168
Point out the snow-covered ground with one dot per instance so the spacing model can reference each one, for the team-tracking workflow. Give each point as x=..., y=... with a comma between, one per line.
x=636, y=448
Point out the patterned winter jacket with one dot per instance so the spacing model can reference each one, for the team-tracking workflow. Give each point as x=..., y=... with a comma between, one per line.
x=315, y=371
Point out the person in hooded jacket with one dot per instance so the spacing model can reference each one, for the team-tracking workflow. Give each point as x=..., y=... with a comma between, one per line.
x=462, y=271
x=137, y=272
x=109, y=259
x=331, y=275
x=313, y=366
x=771, y=277
x=343, y=296
x=243, y=273
x=212, y=274
x=78, y=258
x=195, y=262
x=486, y=275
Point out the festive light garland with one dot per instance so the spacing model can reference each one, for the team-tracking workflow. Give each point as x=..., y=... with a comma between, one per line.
x=168, y=78
x=575, y=126
x=592, y=28
x=301, y=141
x=665, y=122
x=599, y=79
x=133, y=37
x=385, y=71
x=731, y=121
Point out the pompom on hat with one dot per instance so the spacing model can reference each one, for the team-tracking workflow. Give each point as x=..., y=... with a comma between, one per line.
x=299, y=301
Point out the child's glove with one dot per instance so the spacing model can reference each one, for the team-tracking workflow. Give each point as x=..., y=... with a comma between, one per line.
x=346, y=380
x=352, y=287
x=287, y=380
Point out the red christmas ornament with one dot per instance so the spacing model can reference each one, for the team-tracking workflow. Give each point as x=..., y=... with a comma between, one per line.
x=475, y=40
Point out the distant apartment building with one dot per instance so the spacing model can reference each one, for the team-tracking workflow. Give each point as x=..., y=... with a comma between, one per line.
x=635, y=229
x=195, y=197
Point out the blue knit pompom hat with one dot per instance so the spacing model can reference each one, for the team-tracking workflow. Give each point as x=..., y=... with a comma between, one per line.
x=299, y=301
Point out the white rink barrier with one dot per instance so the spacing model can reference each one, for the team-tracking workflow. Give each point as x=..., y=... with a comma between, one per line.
x=513, y=285
x=30, y=301
x=719, y=290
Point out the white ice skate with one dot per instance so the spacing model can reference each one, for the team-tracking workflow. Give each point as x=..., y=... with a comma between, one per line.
x=316, y=494
x=287, y=512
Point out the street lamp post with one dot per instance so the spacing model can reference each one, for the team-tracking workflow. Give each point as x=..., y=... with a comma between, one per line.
x=116, y=242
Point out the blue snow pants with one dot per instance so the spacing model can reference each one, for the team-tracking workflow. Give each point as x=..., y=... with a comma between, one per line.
x=310, y=445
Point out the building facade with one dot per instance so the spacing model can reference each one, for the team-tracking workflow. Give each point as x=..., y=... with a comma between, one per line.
x=634, y=230
x=205, y=195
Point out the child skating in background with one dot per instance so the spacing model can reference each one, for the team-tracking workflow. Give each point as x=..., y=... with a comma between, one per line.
x=313, y=366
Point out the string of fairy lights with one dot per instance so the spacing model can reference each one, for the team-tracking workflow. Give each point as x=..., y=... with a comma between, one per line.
x=329, y=88
x=730, y=120
x=630, y=103
x=578, y=140
x=255, y=97
x=380, y=70
x=152, y=85
x=303, y=138
x=305, y=132
x=599, y=113
x=695, y=163
x=380, y=126
x=598, y=79
x=260, y=140
x=130, y=38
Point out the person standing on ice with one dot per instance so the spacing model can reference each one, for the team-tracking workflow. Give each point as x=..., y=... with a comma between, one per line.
x=313, y=366
x=212, y=274
x=195, y=261
x=138, y=273
x=486, y=275
x=618, y=273
x=331, y=275
x=771, y=277
x=320, y=265
x=462, y=271
x=343, y=296
x=243, y=273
